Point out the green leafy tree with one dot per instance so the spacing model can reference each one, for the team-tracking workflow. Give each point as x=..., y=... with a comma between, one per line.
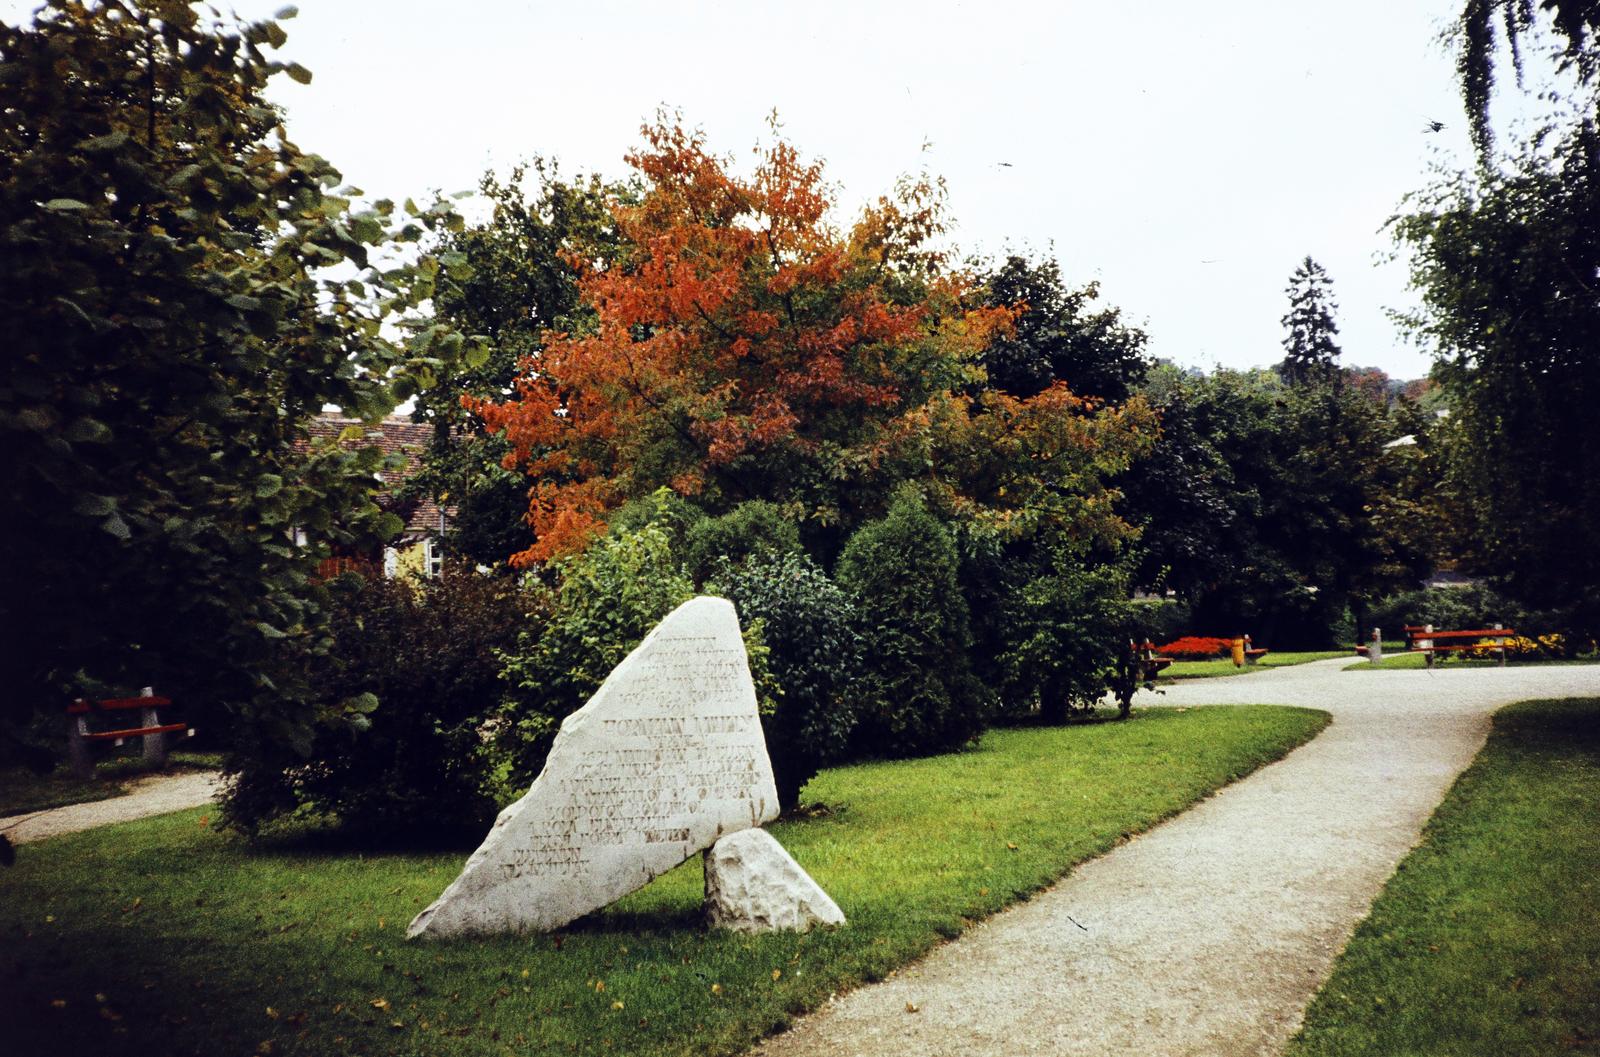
x=1309, y=348
x=1066, y=634
x=1271, y=508
x=520, y=282
x=1575, y=22
x=172, y=317
x=1059, y=337
x=1505, y=261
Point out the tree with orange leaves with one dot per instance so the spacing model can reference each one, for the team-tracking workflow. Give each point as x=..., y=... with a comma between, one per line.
x=745, y=347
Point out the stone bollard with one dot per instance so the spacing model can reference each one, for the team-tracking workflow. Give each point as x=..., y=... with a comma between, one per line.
x=1426, y=643
x=1499, y=626
x=155, y=745
x=1375, y=650
x=77, y=747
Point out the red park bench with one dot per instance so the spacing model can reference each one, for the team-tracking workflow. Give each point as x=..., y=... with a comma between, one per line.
x=1150, y=662
x=1425, y=640
x=151, y=729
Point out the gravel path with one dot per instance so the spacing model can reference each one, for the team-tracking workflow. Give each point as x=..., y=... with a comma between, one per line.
x=154, y=794
x=1209, y=934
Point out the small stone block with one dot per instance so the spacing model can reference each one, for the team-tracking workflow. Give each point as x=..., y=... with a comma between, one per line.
x=754, y=885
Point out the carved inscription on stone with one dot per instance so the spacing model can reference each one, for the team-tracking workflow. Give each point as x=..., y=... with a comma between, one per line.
x=665, y=758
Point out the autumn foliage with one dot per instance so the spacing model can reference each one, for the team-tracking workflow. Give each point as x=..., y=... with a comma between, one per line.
x=745, y=347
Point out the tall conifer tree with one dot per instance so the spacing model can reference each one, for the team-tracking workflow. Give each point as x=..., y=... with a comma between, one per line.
x=1309, y=348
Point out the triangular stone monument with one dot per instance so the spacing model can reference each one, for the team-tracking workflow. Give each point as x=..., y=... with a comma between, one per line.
x=665, y=758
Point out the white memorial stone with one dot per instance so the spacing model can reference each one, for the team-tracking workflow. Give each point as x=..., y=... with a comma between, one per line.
x=753, y=885
x=666, y=757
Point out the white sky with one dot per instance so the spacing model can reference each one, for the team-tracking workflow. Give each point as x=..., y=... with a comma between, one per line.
x=1186, y=155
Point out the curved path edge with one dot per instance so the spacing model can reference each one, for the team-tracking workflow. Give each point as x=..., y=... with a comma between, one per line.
x=150, y=795
x=1208, y=935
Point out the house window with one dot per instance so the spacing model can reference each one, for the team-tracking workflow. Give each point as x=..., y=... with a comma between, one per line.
x=432, y=557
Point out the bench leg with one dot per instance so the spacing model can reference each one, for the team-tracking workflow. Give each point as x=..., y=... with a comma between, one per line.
x=155, y=745
x=78, y=748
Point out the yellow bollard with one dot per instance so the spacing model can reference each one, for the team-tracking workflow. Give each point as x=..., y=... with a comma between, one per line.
x=1238, y=653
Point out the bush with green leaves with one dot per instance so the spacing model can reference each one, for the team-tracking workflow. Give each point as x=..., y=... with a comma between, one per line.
x=421, y=657
x=918, y=694
x=748, y=529
x=816, y=652
x=663, y=508
x=1446, y=608
x=1067, y=632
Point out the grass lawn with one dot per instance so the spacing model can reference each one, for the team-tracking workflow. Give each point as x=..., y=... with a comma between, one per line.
x=1404, y=660
x=1224, y=666
x=1486, y=941
x=165, y=936
x=22, y=791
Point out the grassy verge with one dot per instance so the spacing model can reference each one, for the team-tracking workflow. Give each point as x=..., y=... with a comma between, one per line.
x=1486, y=941
x=1411, y=661
x=22, y=791
x=1223, y=666
x=165, y=936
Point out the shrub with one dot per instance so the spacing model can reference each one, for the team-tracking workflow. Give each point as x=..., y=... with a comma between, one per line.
x=1196, y=648
x=748, y=529
x=1067, y=638
x=663, y=508
x=422, y=657
x=1446, y=608
x=918, y=692
x=809, y=627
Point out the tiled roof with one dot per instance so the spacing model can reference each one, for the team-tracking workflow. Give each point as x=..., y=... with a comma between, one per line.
x=395, y=436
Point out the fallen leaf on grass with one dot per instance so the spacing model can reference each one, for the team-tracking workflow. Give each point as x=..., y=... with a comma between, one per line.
x=380, y=1003
x=777, y=973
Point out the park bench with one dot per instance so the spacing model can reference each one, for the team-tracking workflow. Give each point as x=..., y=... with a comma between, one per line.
x=1251, y=654
x=1150, y=662
x=1425, y=640
x=150, y=728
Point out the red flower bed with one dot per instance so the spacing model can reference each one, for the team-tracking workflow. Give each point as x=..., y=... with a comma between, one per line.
x=1196, y=648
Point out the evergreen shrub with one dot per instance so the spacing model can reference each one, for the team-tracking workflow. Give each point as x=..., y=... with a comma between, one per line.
x=809, y=627
x=919, y=695
x=748, y=529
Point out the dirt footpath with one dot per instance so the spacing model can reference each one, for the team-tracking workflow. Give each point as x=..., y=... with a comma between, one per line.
x=1209, y=934
x=150, y=795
